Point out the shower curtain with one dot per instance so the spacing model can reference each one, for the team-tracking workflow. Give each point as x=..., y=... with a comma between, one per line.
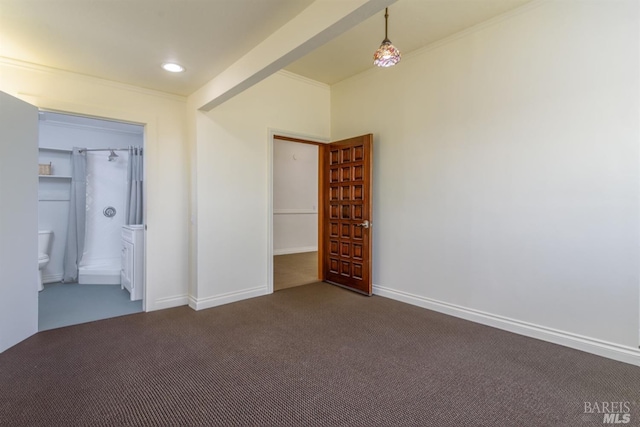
x=77, y=215
x=133, y=211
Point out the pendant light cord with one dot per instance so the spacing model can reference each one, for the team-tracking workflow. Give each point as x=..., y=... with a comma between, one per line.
x=386, y=23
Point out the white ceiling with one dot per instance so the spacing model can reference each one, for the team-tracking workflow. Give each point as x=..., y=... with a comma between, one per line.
x=412, y=24
x=127, y=40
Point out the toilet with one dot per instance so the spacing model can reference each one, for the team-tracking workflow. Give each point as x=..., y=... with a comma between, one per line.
x=44, y=240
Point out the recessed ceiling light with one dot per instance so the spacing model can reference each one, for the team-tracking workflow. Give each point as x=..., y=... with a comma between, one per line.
x=173, y=67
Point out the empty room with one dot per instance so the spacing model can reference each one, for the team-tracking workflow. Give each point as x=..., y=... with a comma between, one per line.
x=471, y=210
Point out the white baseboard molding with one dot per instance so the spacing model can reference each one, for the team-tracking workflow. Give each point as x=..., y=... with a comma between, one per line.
x=216, y=300
x=295, y=250
x=168, y=302
x=295, y=212
x=595, y=346
x=51, y=278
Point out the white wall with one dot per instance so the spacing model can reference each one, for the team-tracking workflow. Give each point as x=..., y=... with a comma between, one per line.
x=232, y=178
x=18, y=221
x=506, y=172
x=65, y=132
x=295, y=197
x=166, y=159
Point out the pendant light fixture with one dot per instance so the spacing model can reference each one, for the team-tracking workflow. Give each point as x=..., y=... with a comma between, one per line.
x=387, y=54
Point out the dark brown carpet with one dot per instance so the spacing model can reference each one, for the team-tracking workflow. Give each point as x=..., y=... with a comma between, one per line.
x=305, y=356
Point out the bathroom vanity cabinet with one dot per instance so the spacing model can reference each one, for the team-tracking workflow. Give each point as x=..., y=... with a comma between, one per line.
x=132, y=273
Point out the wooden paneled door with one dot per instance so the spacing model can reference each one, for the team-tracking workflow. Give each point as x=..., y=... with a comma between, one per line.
x=346, y=178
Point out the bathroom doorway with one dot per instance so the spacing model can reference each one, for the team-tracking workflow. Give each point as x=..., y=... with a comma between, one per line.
x=90, y=190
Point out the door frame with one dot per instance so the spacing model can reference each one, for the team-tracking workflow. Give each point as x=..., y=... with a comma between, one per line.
x=304, y=139
x=150, y=143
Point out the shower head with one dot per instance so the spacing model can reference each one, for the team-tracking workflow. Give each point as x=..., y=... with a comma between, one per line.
x=112, y=156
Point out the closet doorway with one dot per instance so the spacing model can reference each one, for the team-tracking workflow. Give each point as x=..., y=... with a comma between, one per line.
x=91, y=218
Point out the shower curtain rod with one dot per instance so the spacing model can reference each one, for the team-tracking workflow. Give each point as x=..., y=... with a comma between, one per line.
x=103, y=149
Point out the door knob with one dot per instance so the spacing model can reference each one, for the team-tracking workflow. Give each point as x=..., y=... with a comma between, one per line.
x=365, y=224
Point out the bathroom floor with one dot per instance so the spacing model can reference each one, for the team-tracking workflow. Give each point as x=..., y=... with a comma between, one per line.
x=65, y=304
